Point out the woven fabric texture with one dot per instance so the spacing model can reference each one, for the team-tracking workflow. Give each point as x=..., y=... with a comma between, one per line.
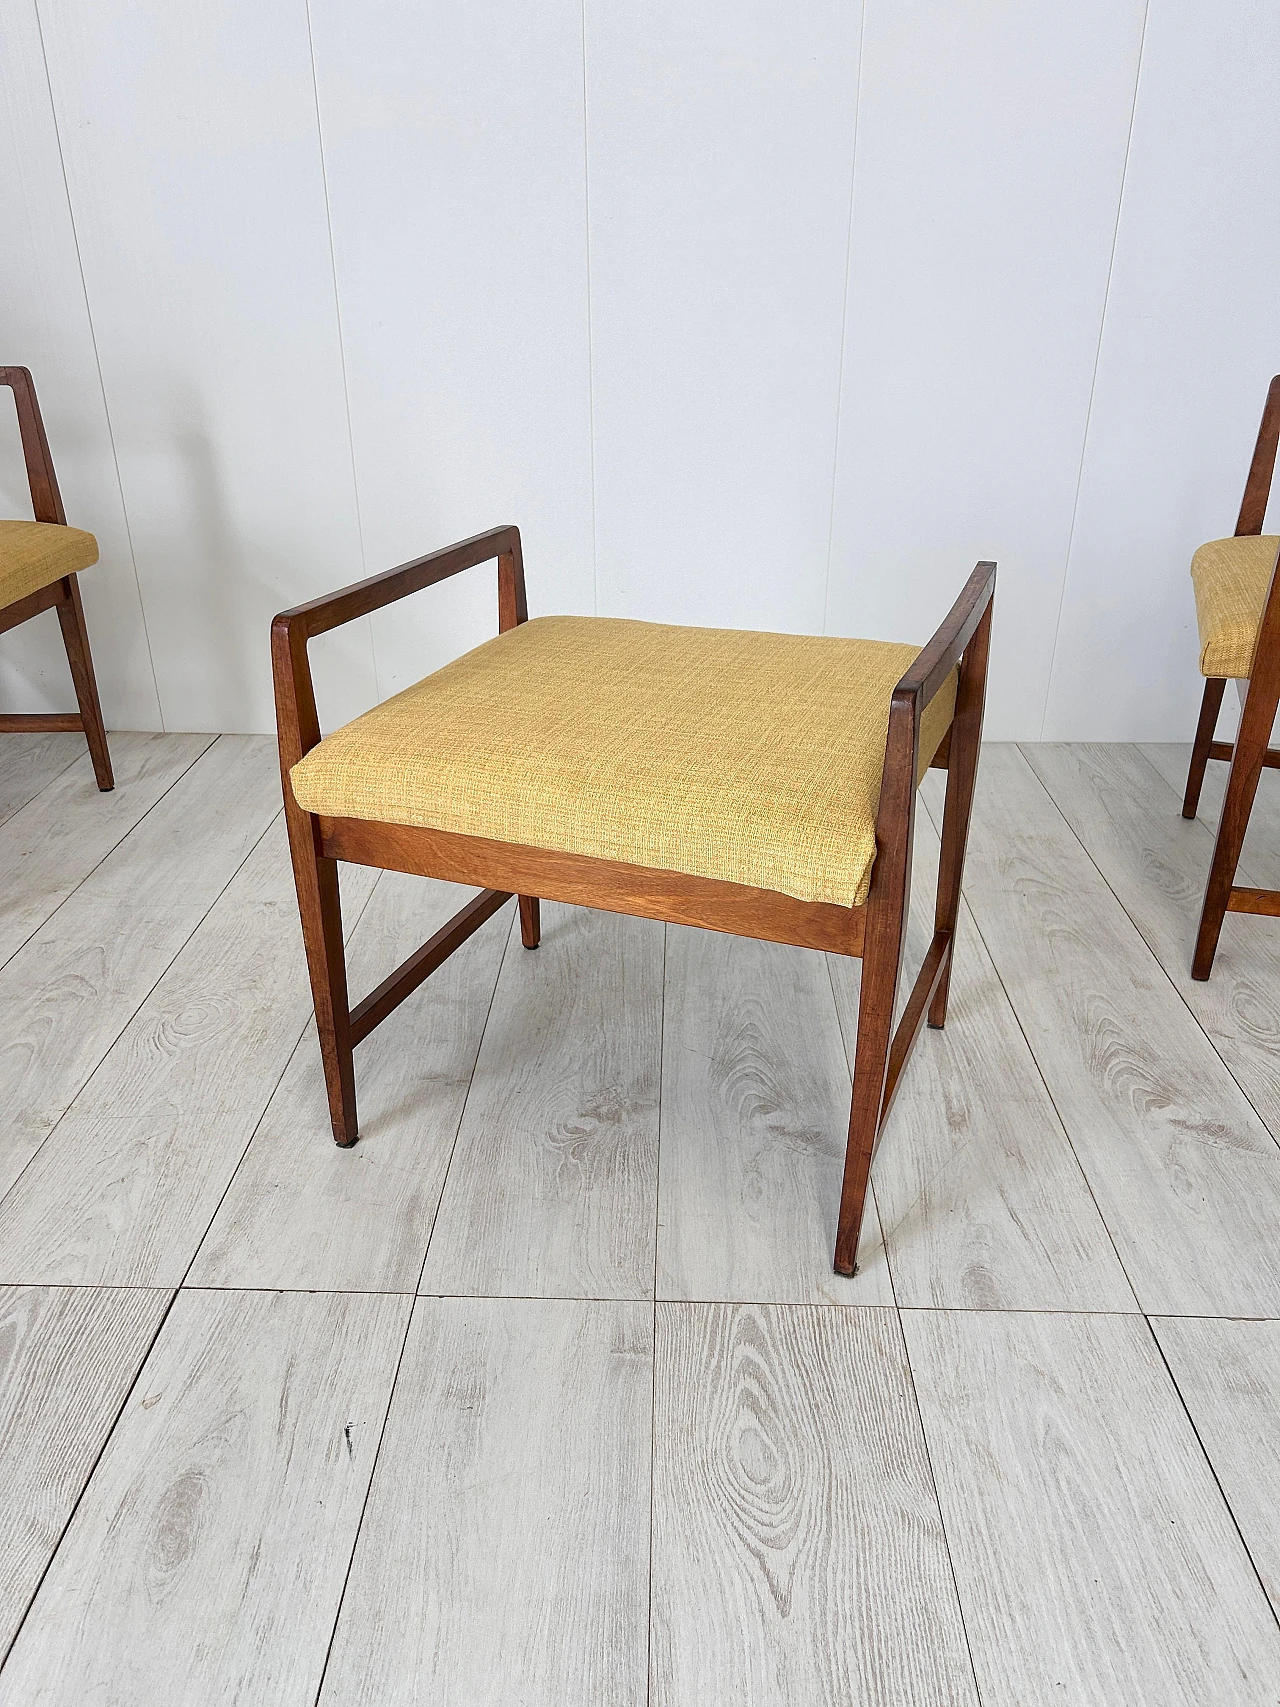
x=753, y=758
x=1231, y=577
x=33, y=554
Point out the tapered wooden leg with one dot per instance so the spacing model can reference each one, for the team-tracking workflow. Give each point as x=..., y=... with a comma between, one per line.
x=962, y=774
x=321, y=911
x=75, y=637
x=881, y=963
x=530, y=921
x=1256, y=719
x=1210, y=705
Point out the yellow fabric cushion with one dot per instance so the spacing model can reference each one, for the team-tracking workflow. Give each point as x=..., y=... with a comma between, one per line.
x=34, y=554
x=753, y=758
x=1231, y=577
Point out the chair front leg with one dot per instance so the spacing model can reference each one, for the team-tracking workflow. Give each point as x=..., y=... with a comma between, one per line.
x=320, y=908
x=1210, y=706
x=1256, y=720
x=75, y=637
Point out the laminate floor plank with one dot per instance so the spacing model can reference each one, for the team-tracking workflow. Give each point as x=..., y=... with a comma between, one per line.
x=1260, y=858
x=755, y=1117
x=1228, y=1374
x=52, y=844
x=798, y=1552
x=123, y=1190
x=1128, y=820
x=70, y=990
x=505, y=1553
x=68, y=1357
x=1186, y=1175
x=29, y=763
x=1097, y=1563
x=303, y=1213
x=552, y=1188
x=206, y=1560
x=981, y=1198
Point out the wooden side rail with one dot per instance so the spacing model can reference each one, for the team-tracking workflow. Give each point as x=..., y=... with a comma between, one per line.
x=420, y=965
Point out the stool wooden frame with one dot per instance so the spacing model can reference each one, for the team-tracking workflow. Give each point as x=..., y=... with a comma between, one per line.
x=874, y=931
x=1250, y=753
x=62, y=595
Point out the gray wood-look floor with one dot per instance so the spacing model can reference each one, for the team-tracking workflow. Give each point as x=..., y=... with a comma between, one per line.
x=545, y=1392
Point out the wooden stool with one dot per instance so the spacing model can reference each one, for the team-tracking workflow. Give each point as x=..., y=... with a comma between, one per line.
x=1238, y=613
x=760, y=784
x=38, y=564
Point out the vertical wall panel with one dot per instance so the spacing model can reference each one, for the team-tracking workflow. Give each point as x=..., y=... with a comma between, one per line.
x=193, y=160
x=991, y=146
x=1192, y=338
x=45, y=326
x=720, y=142
x=454, y=151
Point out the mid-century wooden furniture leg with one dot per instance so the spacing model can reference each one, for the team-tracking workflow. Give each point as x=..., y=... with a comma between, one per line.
x=962, y=774
x=881, y=1053
x=1210, y=705
x=75, y=637
x=530, y=921
x=1256, y=719
x=321, y=910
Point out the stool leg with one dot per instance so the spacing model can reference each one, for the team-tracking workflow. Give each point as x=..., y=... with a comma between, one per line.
x=881, y=963
x=962, y=774
x=1210, y=705
x=75, y=637
x=530, y=921
x=320, y=908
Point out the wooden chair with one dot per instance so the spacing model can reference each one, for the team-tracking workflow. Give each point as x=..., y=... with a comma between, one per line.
x=38, y=565
x=763, y=785
x=1238, y=613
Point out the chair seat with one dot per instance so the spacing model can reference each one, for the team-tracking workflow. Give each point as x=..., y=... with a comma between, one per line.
x=751, y=758
x=35, y=554
x=1231, y=577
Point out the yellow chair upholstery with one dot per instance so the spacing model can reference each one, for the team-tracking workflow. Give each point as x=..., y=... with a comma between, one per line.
x=752, y=758
x=1231, y=577
x=35, y=554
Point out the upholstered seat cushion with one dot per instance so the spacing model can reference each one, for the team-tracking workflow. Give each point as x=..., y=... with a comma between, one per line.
x=1231, y=577
x=754, y=758
x=34, y=554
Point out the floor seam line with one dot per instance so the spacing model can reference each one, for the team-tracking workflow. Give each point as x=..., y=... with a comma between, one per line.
x=114, y=1044
x=122, y=839
x=93, y=1470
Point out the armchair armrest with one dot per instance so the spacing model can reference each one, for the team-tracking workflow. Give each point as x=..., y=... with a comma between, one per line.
x=944, y=651
x=296, y=719
x=46, y=500
x=962, y=640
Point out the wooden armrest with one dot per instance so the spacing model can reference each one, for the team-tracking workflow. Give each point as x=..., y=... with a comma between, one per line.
x=944, y=651
x=46, y=500
x=296, y=721
x=317, y=616
x=1253, y=507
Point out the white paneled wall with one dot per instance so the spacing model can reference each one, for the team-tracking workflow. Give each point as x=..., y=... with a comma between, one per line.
x=453, y=139
x=44, y=325
x=991, y=149
x=720, y=152
x=775, y=313
x=1190, y=341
